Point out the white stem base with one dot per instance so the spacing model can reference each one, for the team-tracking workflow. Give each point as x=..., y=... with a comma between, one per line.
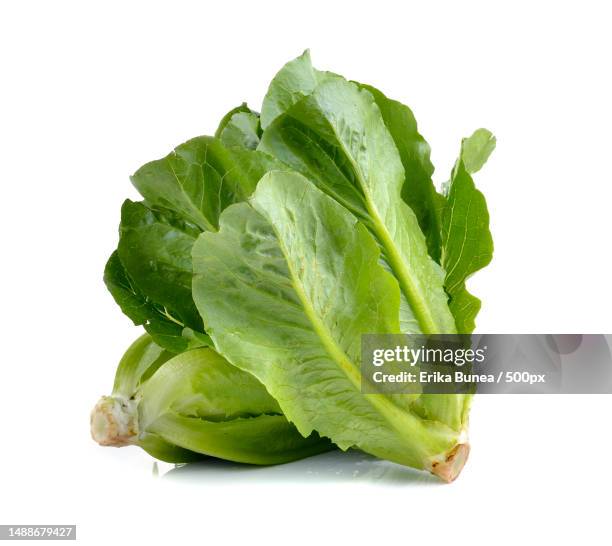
x=114, y=422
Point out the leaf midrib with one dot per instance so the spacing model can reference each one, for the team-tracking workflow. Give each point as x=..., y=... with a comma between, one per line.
x=399, y=419
x=421, y=311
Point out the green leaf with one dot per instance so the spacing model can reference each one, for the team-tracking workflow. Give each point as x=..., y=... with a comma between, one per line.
x=197, y=339
x=298, y=79
x=150, y=278
x=336, y=137
x=202, y=384
x=155, y=249
x=476, y=149
x=200, y=178
x=142, y=359
x=466, y=239
x=199, y=402
x=240, y=128
x=227, y=118
x=305, y=275
x=164, y=329
x=293, y=82
x=159, y=448
x=418, y=190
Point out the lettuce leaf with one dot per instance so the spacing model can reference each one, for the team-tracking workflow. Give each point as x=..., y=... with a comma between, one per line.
x=149, y=276
x=299, y=147
x=240, y=128
x=466, y=239
x=165, y=329
x=306, y=277
x=418, y=190
x=200, y=178
x=337, y=138
x=155, y=247
x=298, y=79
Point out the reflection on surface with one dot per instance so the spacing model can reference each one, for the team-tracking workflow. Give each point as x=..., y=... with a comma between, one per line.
x=335, y=466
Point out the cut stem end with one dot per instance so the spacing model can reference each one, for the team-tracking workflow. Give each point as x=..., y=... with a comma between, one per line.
x=114, y=422
x=451, y=466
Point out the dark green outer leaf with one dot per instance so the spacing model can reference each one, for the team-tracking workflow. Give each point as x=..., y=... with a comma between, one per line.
x=200, y=178
x=150, y=277
x=140, y=309
x=155, y=249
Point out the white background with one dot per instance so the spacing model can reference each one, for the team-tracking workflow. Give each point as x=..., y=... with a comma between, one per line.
x=90, y=91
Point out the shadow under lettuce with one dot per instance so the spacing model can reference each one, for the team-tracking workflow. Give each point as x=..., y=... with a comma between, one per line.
x=333, y=467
